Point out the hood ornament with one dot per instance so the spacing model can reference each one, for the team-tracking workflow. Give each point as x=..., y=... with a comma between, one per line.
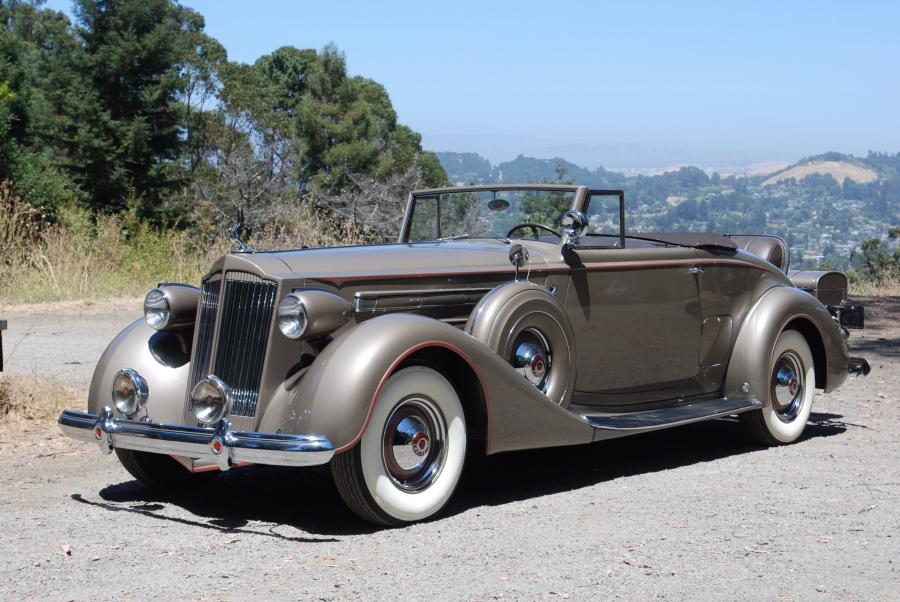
x=236, y=231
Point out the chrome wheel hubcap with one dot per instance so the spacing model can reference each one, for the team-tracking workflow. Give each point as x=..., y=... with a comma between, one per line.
x=531, y=357
x=787, y=387
x=413, y=443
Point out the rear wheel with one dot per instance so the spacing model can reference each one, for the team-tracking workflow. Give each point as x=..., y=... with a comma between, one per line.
x=159, y=471
x=408, y=462
x=792, y=382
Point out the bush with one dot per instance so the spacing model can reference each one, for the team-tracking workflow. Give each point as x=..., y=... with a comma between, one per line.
x=877, y=266
x=83, y=255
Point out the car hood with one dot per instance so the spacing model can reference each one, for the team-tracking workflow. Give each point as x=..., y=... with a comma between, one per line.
x=338, y=264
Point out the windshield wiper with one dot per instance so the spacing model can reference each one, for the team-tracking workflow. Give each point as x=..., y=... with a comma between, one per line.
x=489, y=234
x=454, y=237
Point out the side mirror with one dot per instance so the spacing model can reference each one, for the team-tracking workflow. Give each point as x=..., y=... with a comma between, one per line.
x=574, y=225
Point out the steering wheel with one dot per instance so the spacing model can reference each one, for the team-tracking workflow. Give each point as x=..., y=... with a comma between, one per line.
x=534, y=227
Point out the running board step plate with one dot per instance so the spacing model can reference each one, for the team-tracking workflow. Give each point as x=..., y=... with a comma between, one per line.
x=634, y=422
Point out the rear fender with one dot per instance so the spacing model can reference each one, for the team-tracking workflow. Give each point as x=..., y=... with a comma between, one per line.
x=336, y=395
x=779, y=308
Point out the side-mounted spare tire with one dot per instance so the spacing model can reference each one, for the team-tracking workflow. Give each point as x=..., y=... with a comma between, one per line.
x=527, y=326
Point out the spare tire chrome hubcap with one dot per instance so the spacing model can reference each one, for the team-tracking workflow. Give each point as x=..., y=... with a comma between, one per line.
x=531, y=357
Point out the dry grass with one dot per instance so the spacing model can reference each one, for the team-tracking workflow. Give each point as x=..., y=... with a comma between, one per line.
x=83, y=256
x=839, y=170
x=29, y=408
x=885, y=287
x=34, y=399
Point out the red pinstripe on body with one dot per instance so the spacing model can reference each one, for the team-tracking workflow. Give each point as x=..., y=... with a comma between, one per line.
x=590, y=266
x=393, y=367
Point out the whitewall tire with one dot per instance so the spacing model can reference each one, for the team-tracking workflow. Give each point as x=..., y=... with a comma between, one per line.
x=408, y=462
x=792, y=385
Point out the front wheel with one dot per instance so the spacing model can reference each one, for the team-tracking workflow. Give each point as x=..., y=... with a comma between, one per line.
x=792, y=386
x=409, y=460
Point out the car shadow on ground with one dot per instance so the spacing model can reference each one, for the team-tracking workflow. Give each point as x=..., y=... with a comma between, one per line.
x=883, y=347
x=263, y=500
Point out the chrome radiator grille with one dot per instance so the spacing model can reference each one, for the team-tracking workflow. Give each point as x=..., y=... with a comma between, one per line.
x=206, y=325
x=239, y=325
x=246, y=315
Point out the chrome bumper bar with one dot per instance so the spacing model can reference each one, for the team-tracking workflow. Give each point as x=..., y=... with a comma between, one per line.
x=221, y=445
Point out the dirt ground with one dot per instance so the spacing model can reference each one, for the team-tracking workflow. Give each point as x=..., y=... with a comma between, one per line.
x=690, y=513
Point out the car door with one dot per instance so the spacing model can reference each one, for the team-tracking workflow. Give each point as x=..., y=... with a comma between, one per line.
x=636, y=314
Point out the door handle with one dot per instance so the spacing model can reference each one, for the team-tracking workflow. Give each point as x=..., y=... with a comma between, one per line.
x=695, y=269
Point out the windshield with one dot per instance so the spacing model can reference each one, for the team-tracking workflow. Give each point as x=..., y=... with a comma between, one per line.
x=531, y=213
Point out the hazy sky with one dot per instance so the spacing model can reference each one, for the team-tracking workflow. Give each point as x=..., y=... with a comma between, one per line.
x=622, y=84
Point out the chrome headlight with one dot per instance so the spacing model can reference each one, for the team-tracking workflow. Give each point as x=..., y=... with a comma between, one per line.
x=129, y=391
x=210, y=400
x=292, y=317
x=157, y=311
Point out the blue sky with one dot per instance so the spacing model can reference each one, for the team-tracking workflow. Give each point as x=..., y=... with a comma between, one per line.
x=622, y=84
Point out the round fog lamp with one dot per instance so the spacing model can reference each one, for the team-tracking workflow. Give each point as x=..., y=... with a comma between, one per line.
x=210, y=400
x=129, y=391
x=292, y=317
x=156, y=309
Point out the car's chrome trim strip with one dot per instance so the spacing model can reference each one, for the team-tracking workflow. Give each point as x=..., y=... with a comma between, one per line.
x=662, y=263
x=649, y=420
x=402, y=300
x=221, y=445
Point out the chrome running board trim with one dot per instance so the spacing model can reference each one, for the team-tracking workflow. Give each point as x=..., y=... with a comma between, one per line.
x=649, y=420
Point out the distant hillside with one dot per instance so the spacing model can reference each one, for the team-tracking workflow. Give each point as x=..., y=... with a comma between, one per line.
x=466, y=168
x=825, y=205
x=472, y=168
x=839, y=170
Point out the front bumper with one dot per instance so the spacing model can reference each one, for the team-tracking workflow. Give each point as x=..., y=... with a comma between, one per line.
x=221, y=445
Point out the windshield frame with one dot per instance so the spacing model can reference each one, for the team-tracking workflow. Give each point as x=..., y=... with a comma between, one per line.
x=579, y=197
x=620, y=194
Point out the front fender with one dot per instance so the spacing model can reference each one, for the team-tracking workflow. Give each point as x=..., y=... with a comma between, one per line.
x=337, y=393
x=777, y=308
x=159, y=357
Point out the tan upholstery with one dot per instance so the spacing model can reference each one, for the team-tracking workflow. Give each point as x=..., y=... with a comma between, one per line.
x=771, y=248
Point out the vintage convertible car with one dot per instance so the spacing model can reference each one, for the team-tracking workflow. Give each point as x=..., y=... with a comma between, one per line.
x=504, y=318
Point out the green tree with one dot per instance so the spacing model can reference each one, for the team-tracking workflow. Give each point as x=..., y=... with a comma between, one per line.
x=36, y=49
x=342, y=127
x=125, y=131
x=877, y=259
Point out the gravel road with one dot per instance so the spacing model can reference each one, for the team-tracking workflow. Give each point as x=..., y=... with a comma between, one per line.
x=690, y=513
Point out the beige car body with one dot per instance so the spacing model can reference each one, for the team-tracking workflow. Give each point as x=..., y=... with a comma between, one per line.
x=643, y=336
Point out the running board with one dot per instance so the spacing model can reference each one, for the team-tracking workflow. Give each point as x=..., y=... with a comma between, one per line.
x=649, y=420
